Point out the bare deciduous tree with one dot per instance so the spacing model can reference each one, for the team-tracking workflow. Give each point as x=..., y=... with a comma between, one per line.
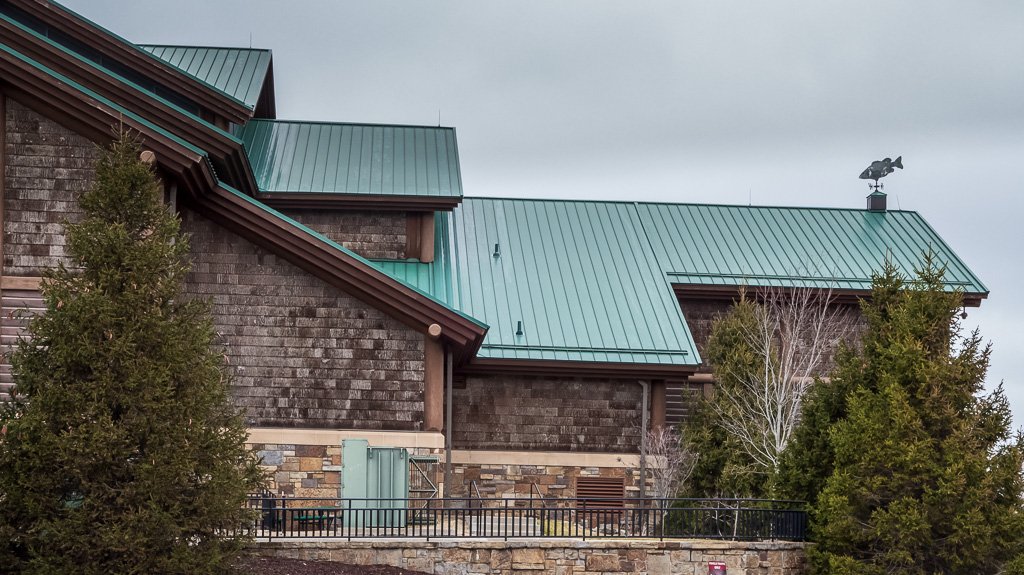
x=787, y=339
x=673, y=460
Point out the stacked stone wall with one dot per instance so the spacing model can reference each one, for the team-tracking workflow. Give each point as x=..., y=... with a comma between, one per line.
x=561, y=557
x=315, y=470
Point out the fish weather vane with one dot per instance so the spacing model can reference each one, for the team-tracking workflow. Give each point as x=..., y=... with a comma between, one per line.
x=880, y=169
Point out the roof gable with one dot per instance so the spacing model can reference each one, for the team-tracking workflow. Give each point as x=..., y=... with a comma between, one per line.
x=237, y=72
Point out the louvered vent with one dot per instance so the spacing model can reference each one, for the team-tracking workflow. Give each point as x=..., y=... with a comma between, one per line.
x=680, y=401
x=18, y=306
x=600, y=491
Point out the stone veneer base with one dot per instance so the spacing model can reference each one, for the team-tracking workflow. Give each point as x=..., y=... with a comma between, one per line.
x=558, y=556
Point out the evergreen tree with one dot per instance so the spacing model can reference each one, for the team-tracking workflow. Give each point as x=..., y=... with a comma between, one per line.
x=923, y=474
x=723, y=467
x=121, y=452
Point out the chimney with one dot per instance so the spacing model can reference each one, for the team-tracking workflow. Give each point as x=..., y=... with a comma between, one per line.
x=876, y=201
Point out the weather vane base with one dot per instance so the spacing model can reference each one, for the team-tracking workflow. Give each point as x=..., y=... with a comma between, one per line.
x=877, y=186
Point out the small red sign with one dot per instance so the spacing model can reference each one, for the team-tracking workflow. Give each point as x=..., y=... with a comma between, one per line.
x=716, y=568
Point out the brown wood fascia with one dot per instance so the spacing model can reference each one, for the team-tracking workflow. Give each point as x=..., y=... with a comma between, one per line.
x=482, y=366
x=339, y=269
x=135, y=58
x=731, y=293
x=341, y=201
x=214, y=142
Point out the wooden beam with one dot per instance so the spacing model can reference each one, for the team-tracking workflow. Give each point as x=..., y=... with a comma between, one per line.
x=20, y=283
x=426, y=254
x=413, y=228
x=433, y=384
x=659, y=399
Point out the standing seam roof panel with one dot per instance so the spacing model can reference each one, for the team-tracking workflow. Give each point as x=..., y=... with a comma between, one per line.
x=362, y=159
x=236, y=72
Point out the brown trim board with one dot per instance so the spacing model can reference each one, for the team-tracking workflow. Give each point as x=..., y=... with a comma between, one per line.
x=344, y=201
x=732, y=292
x=577, y=369
x=135, y=58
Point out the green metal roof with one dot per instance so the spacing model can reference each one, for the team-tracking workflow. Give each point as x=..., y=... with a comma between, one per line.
x=792, y=247
x=318, y=157
x=591, y=280
x=237, y=72
x=579, y=277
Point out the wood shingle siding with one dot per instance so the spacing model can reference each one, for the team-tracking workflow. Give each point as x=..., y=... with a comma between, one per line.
x=47, y=167
x=373, y=235
x=549, y=414
x=303, y=353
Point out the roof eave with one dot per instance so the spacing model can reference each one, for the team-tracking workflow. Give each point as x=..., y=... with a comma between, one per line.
x=345, y=201
x=98, y=38
x=557, y=368
x=843, y=296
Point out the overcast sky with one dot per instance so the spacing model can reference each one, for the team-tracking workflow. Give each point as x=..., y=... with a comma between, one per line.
x=775, y=103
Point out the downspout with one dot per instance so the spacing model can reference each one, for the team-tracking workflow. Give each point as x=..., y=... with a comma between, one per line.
x=447, y=422
x=646, y=385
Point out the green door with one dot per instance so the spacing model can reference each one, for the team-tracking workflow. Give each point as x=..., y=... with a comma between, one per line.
x=377, y=478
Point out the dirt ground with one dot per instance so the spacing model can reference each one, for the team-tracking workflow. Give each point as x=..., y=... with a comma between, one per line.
x=275, y=566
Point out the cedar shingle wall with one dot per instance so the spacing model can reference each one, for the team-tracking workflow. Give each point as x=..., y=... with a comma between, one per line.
x=305, y=354
x=47, y=167
x=533, y=413
x=373, y=235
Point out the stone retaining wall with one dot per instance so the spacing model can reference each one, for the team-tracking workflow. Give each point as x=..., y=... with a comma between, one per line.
x=560, y=557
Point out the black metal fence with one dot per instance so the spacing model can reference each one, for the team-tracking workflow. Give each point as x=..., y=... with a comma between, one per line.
x=740, y=519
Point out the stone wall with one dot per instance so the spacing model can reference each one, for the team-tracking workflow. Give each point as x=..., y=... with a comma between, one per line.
x=373, y=235
x=304, y=354
x=550, y=414
x=47, y=167
x=297, y=470
x=560, y=557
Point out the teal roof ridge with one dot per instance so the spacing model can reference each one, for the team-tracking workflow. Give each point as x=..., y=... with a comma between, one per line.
x=145, y=45
x=118, y=77
x=700, y=204
x=136, y=47
x=344, y=123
